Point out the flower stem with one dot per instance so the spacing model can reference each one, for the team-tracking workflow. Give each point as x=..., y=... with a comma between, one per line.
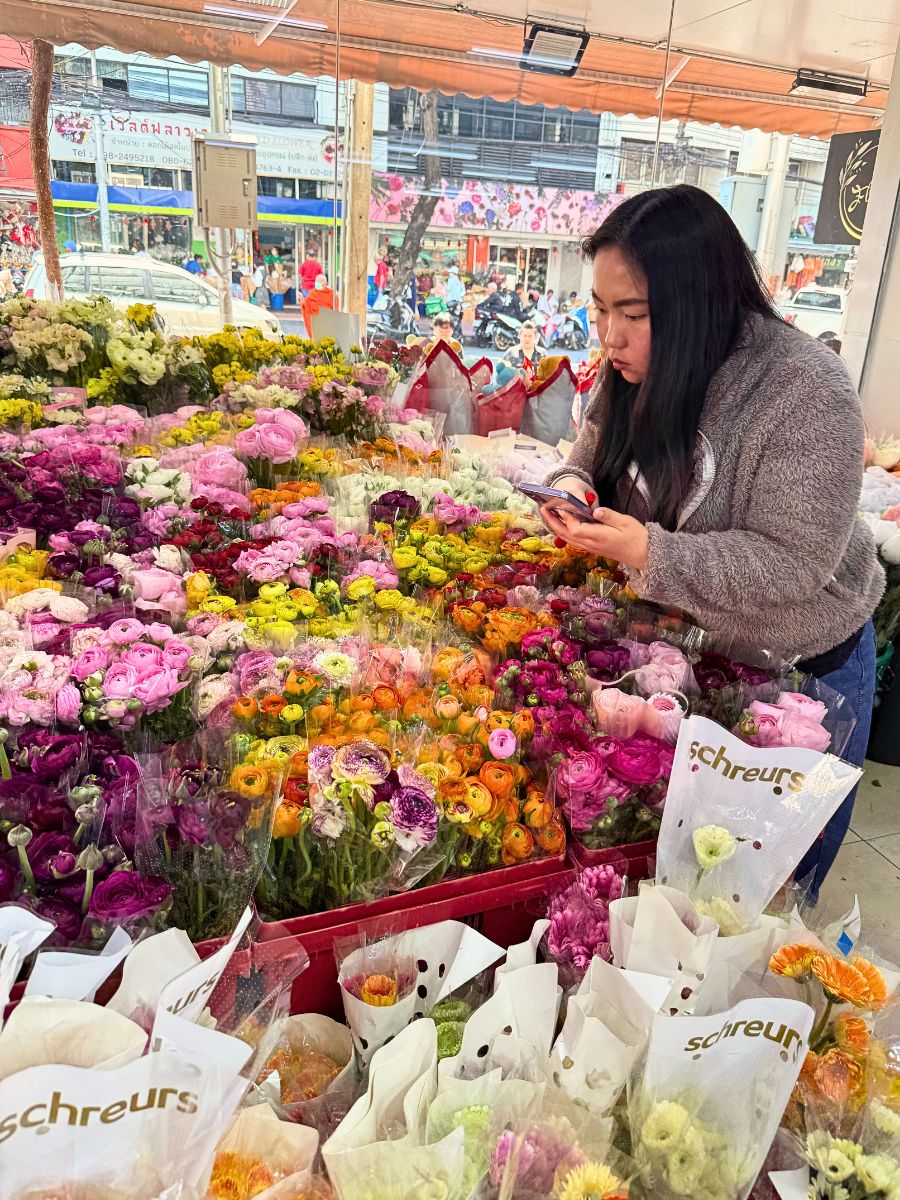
x=817, y=1035
x=88, y=891
x=5, y=772
x=30, y=885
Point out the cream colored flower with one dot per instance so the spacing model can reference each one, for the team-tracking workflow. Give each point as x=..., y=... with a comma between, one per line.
x=885, y=1119
x=665, y=1125
x=713, y=845
x=591, y=1181
x=832, y=1157
x=723, y=913
x=877, y=1172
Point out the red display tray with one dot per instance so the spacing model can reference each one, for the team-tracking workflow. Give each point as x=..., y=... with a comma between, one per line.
x=581, y=856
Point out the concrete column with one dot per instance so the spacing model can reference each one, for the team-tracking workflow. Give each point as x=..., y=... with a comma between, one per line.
x=771, y=211
x=871, y=342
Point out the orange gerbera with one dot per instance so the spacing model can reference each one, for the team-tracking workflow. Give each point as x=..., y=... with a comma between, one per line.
x=793, y=961
x=244, y=708
x=838, y=1077
x=379, y=991
x=852, y=1035
x=875, y=980
x=842, y=981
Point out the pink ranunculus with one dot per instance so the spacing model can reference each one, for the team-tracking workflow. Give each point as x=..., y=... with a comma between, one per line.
x=502, y=743
x=125, y=631
x=159, y=632
x=276, y=443
x=93, y=659
x=797, y=731
x=154, y=688
x=119, y=681
x=142, y=655
x=306, y=507
x=581, y=772
x=767, y=720
x=641, y=760
x=266, y=570
x=803, y=706
x=156, y=588
x=177, y=654
x=300, y=577
x=219, y=468
x=283, y=417
x=68, y=704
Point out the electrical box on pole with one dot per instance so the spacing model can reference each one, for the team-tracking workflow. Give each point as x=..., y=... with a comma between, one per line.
x=225, y=182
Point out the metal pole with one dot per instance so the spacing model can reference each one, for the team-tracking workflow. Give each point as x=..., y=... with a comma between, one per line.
x=220, y=258
x=346, y=184
x=662, y=96
x=100, y=166
x=337, y=150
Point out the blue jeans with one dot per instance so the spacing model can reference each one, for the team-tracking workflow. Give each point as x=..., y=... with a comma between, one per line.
x=855, y=680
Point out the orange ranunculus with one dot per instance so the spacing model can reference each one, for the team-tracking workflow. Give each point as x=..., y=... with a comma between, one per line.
x=478, y=694
x=322, y=712
x=446, y=708
x=386, y=698
x=362, y=722
x=380, y=737
x=479, y=798
x=793, y=961
x=536, y=811
x=272, y=704
x=517, y=843
x=506, y=627
x=250, y=781
x=445, y=661
x=842, y=981
x=287, y=820
x=452, y=789
x=449, y=741
x=875, y=980
x=523, y=774
x=551, y=837
x=429, y=753
x=499, y=778
x=467, y=618
x=244, y=708
x=471, y=755
x=417, y=706
x=300, y=683
x=346, y=706
x=466, y=722
x=451, y=764
x=497, y=719
x=466, y=673
x=852, y=1035
x=299, y=765
x=362, y=703
x=838, y=1077
x=379, y=990
x=522, y=724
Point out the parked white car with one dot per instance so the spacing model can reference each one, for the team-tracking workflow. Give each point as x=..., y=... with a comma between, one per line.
x=188, y=304
x=818, y=311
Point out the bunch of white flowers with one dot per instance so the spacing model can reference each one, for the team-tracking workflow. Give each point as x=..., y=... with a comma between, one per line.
x=842, y=1171
x=248, y=395
x=153, y=484
x=61, y=346
x=682, y=1158
x=139, y=355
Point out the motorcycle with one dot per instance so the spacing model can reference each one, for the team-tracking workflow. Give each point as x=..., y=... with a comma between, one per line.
x=396, y=321
x=485, y=319
x=572, y=331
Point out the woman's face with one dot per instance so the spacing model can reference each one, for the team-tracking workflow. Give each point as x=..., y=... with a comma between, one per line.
x=623, y=314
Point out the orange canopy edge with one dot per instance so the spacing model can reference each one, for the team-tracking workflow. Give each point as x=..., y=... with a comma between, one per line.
x=432, y=48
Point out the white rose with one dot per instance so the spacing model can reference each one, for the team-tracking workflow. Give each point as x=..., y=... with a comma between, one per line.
x=68, y=609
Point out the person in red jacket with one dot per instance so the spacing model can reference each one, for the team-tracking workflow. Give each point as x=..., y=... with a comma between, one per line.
x=309, y=269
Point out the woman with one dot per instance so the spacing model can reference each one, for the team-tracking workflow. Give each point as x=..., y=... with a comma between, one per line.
x=723, y=450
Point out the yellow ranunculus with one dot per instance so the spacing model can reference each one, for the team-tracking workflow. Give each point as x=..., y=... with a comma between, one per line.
x=360, y=588
x=404, y=557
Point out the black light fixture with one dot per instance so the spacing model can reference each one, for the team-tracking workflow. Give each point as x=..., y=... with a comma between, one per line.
x=816, y=85
x=553, y=50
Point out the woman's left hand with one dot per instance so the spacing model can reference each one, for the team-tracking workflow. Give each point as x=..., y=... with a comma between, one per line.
x=610, y=535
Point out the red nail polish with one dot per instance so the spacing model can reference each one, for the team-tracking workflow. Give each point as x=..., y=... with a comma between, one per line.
x=590, y=497
x=559, y=543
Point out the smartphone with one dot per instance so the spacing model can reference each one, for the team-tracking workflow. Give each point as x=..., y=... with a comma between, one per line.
x=556, y=499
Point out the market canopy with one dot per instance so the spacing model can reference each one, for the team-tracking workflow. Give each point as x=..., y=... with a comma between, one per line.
x=729, y=64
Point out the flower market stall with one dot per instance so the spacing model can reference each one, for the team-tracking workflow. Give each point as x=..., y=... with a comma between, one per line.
x=357, y=839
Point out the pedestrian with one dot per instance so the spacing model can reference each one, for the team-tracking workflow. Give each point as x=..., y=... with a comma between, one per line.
x=382, y=274
x=7, y=283
x=320, y=296
x=260, y=286
x=694, y=454
x=310, y=268
x=195, y=265
x=525, y=357
x=455, y=288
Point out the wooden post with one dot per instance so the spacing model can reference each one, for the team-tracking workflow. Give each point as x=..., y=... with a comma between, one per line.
x=356, y=209
x=41, y=85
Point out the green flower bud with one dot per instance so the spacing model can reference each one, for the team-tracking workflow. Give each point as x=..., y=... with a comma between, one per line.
x=90, y=859
x=19, y=835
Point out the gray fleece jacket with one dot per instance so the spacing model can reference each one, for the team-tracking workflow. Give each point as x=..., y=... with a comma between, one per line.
x=769, y=548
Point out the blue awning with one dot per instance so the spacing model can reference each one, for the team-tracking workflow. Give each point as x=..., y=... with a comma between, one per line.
x=147, y=199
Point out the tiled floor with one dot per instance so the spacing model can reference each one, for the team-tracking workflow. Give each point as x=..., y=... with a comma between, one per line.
x=868, y=864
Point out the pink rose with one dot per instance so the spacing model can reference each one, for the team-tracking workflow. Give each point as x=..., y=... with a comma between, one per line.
x=219, y=468
x=276, y=443
x=119, y=681
x=156, y=687
x=804, y=706
x=283, y=417
x=93, y=659
x=142, y=655
x=797, y=731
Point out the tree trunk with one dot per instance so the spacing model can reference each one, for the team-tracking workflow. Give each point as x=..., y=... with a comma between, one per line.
x=421, y=215
x=41, y=86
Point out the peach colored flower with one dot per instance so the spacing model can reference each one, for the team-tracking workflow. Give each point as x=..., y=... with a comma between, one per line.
x=793, y=962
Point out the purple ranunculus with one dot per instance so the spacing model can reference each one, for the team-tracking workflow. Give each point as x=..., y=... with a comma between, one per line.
x=103, y=578
x=415, y=818
x=394, y=506
x=41, y=851
x=640, y=759
x=50, y=755
x=8, y=877
x=65, y=915
x=228, y=815
x=63, y=565
x=194, y=823
x=608, y=662
x=127, y=896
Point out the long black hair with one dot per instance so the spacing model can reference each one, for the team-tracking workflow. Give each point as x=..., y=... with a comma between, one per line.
x=702, y=282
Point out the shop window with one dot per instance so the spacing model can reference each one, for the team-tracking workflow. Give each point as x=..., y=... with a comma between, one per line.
x=529, y=124
x=172, y=289
x=275, y=185
x=118, y=281
x=190, y=88
x=263, y=96
x=161, y=178
x=585, y=129
x=238, y=101
x=70, y=172
x=498, y=121
x=469, y=117
x=187, y=181
x=307, y=189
